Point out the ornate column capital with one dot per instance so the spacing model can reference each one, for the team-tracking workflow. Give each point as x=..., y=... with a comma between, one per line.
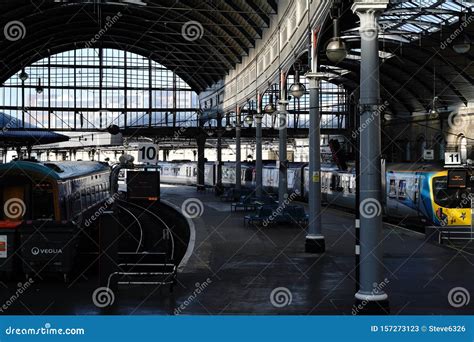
x=368, y=11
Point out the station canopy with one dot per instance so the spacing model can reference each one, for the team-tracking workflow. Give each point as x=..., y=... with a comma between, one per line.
x=420, y=67
x=199, y=40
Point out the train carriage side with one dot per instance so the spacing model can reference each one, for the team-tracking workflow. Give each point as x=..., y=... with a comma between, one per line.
x=52, y=191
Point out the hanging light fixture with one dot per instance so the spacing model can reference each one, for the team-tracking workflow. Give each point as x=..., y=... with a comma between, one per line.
x=23, y=75
x=249, y=120
x=434, y=110
x=270, y=106
x=228, y=126
x=39, y=88
x=249, y=117
x=297, y=89
x=336, y=49
x=462, y=44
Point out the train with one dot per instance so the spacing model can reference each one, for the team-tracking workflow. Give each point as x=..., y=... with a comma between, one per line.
x=426, y=193
x=46, y=210
x=59, y=192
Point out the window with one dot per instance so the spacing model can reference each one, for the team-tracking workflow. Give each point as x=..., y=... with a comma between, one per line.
x=450, y=197
x=75, y=96
x=392, y=193
x=402, y=188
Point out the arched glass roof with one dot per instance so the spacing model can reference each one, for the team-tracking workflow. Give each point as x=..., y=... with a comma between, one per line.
x=93, y=88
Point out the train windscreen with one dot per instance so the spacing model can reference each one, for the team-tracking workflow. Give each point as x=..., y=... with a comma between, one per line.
x=447, y=197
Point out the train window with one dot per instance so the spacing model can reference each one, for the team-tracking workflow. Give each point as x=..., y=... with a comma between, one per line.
x=42, y=201
x=89, y=197
x=339, y=186
x=333, y=182
x=450, y=197
x=402, y=189
x=415, y=190
x=392, y=192
x=76, y=203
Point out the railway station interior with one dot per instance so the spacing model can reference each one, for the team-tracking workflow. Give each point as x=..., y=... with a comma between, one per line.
x=221, y=157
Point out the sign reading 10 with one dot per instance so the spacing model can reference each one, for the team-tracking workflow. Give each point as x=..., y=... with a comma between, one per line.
x=147, y=153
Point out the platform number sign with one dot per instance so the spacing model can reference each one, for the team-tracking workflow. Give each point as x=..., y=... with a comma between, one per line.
x=148, y=153
x=452, y=158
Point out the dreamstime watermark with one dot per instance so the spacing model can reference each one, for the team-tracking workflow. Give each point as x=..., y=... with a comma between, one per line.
x=466, y=200
x=459, y=31
x=177, y=134
x=21, y=288
x=14, y=208
x=377, y=290
x=363, y=125
x=457, y=121
x=109, y=22
x=103, y=296
x=101, y=209
x=370, y=31
x=192, y=297
x=281, y=297
x=458, y=297
x=370, y=208
x=14, y=30
x=192, y=208
x=281, y=208
x=281, y=121
x=192, y=30
x=46, y=330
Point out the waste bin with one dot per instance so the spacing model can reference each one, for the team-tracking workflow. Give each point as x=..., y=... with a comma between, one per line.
x=8, y=245
x=48, y=247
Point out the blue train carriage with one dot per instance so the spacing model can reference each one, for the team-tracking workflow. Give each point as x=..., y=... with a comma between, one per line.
x=439, y=197
x=44, y=207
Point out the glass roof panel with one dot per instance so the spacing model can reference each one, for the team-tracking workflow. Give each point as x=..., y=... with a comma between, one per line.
x=418, y=16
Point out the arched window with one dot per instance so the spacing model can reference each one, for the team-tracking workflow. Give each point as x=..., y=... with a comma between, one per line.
x=94, y=88
x=462, y=147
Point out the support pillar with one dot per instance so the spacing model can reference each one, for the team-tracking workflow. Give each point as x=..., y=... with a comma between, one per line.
x=201, y=144
x=238, y=157
x=371, y=292
x=282, y=143
x=315, y=242
x=258, y=148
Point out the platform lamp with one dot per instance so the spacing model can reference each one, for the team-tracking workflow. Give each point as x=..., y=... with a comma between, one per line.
x=270, y=107
x=336, y=50
x=39, y=87
x=23, y=75
x=434, y=110
x=228, y=126
x=297, y=89
x=249, y=117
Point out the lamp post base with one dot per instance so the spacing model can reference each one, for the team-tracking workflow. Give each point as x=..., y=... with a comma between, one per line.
x=315, y=244
x=370, y=305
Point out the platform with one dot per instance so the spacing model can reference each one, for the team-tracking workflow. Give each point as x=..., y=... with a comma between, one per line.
x=246, y=264
x=234, y=269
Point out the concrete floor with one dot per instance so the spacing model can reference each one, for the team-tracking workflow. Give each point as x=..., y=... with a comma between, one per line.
x=246, y=264
x=241, y=270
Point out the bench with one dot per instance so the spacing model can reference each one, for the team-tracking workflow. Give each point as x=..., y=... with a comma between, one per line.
x=263, y=213
x=246, y=203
